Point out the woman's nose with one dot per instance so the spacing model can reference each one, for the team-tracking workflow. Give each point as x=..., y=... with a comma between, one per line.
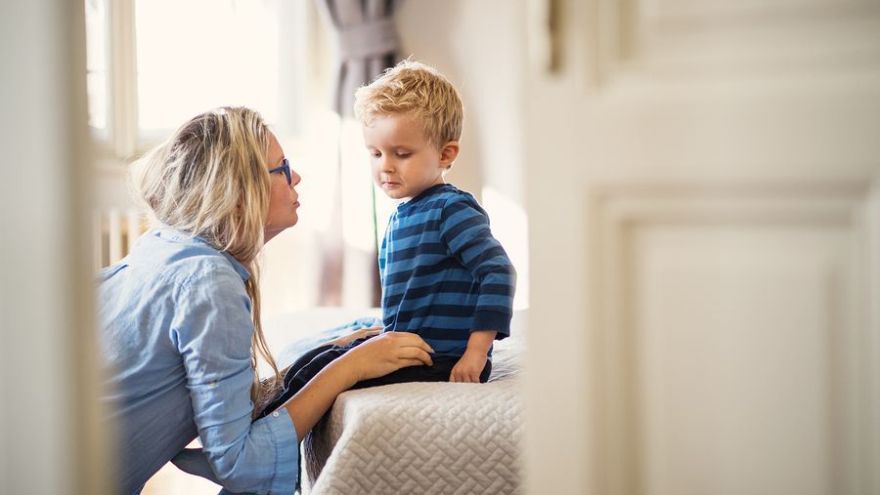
x=295, y=178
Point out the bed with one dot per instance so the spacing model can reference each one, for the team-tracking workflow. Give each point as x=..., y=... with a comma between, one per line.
x=432, y=438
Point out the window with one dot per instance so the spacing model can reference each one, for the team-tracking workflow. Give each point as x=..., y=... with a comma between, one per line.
x=154, y=63
x=208, y=53
x=96, y=68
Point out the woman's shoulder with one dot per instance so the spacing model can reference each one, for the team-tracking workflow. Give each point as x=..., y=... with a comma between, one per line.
x=182, y=259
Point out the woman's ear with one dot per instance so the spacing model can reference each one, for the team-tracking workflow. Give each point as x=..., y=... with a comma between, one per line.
x=448, y=154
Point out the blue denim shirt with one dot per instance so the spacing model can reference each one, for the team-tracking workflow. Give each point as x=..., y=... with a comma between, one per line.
x=175, y=333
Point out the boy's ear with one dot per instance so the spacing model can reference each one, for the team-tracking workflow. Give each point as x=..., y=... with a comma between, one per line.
x=448, y=154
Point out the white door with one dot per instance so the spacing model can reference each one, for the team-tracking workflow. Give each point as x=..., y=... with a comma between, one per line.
x=704, y=223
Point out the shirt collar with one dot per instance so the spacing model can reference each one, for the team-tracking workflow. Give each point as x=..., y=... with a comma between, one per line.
x=171, y=234
x=435, y=189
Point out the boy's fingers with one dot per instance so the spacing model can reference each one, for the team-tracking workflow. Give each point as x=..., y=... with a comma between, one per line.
x=458, y=376
x=463, y=377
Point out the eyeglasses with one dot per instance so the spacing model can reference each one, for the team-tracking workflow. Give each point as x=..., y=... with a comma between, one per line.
x=284, y=167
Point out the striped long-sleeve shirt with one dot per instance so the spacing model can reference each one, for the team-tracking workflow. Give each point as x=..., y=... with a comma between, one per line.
x=443, y=273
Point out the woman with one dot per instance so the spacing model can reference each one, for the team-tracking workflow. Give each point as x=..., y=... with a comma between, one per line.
x=180, y=315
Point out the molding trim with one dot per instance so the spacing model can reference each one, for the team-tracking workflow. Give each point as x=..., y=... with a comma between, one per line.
x=634, y=39
x=612, y=214
x=123, y=102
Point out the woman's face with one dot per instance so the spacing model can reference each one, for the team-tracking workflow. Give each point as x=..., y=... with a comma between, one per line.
x=283, y=198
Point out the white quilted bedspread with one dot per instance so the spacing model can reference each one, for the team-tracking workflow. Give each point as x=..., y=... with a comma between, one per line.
x=422, y=438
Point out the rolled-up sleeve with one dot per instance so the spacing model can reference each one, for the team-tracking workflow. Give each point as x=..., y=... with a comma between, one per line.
x=214, y=338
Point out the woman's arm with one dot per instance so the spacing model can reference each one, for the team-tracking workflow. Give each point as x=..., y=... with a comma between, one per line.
x=361, y=333
x=374, y=358
x=212, y=330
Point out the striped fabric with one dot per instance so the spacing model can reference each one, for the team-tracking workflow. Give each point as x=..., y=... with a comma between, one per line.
x=443, y=274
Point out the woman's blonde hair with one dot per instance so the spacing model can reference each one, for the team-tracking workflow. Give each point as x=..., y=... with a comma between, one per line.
x=418, y=90
x=210, y=179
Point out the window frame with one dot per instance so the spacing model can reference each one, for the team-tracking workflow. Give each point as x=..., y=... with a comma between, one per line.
x=122, y=139
x=119, y=140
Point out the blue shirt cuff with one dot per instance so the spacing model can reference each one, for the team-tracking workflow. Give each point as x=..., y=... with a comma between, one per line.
x=281, y=428
x=282, y=433
x=492, y=320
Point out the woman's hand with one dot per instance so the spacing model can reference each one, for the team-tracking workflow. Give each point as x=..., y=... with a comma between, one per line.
x=360, y=333
x=374, y=358
x=386, y=353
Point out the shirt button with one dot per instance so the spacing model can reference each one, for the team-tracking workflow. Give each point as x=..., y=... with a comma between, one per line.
x=275, y=414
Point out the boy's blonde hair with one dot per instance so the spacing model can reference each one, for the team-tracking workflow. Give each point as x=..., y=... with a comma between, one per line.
x=210, y=179
x=414, y=89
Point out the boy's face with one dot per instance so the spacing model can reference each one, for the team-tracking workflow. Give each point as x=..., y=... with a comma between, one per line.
x=404, y=162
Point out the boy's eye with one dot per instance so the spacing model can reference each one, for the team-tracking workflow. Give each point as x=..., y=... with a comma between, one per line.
x=403, y=154
x=375, y=153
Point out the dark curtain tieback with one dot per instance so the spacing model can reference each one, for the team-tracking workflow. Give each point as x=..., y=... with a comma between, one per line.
x=376, y=38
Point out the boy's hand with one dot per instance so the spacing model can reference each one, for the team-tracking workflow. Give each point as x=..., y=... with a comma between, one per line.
x=468, y=367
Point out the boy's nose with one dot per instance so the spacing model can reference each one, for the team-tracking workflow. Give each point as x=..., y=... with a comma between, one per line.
x=387, y=165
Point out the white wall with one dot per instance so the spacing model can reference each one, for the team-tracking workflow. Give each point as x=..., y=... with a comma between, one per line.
x=480, y=47
x=48, y=432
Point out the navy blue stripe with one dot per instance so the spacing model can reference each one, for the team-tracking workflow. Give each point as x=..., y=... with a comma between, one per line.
x=496, y=289
x=420, y=271
x=487, y=255
x=459, y=274
x=443, y=333
x=454, y=207
x=434, y=310
x=452, y=233
x=418, y=250
x=445, y=287
x=495, y=309
x=409, y=231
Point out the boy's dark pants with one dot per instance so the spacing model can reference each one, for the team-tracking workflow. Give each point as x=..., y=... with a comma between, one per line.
x=312, y=362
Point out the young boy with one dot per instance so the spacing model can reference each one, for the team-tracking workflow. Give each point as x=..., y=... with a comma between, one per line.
x=444, y=276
